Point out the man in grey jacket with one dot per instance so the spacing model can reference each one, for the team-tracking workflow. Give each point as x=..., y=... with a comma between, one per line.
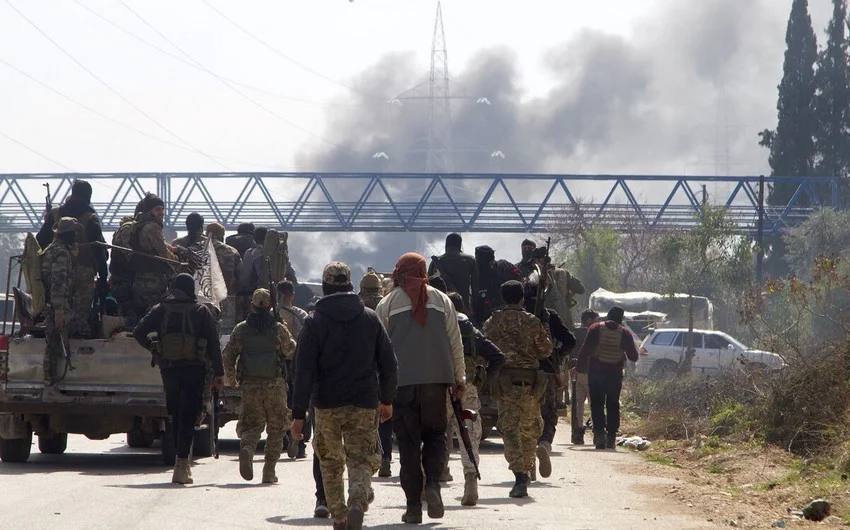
x=422, y=325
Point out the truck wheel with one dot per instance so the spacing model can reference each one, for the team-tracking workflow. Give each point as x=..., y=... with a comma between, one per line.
x=169, y=451
x=139, y=439
x=663, y=368
x=202, y=445
x=52, y=445
x=16, y=450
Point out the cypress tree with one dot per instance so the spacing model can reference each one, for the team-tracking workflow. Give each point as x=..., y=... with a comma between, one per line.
x=832, y=100
x=792, y=143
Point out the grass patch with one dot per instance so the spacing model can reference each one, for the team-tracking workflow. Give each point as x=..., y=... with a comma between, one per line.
x=660, y=459
x=715, y=468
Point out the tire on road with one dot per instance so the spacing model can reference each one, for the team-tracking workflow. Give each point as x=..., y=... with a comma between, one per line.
x=16, y=450
x=140, y=439
x=663, y=368
x=52, y=445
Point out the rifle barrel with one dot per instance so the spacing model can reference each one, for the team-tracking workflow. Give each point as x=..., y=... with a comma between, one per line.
x=130, y=250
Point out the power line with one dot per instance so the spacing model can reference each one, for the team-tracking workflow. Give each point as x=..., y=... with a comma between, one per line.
x=227, y=84
x=113, y=120
x=109, y=87
x=35, y=152
x=286, y=57
x=192, y=65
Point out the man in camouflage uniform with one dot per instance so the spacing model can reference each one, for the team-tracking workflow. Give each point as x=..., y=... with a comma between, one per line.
x=525, y=342
x=341, y=347
x=254, y=361
x=229, y=259
x=481, y=358
x=120, y=275
x=90, y=260
x=57, y=264
x=151, y=277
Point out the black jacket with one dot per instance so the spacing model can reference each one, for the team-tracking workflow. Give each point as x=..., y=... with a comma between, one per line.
x=203, y=322
x=562, y=334
x=459, y=272
x=483, y=346
x=75, y=208
x=344, y=357
x=241, y=242
x=489, y=296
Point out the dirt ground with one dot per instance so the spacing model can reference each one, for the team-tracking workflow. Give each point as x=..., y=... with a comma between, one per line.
x=744, y=485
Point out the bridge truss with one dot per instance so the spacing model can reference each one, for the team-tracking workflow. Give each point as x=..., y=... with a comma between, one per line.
x=398, y=202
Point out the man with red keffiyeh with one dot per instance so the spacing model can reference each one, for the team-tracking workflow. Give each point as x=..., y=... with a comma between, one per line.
x=422, y=325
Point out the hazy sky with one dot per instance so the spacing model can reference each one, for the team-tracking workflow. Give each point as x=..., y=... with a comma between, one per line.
x=614, y=86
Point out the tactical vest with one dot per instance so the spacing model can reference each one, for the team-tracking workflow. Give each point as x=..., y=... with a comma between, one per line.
x=259, y=359
x=609, y=350
x=138, y=262
x=180, y=345
x=85, y=254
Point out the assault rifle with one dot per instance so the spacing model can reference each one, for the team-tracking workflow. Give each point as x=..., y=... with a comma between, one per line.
x=47, y=205
x=542, y=283
x=217, y=404
x=461, y=415
x=174, y=262
x=272, y=290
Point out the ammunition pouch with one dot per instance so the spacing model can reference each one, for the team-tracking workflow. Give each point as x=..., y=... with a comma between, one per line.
x=179, y=347
x=510, y=378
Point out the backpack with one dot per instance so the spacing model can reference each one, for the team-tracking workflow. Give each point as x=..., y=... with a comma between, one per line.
x=31, y=268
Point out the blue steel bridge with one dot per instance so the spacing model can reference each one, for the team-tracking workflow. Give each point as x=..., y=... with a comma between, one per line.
x=416, y=202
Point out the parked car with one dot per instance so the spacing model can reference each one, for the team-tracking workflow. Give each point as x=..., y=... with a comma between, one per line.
x=660, y=353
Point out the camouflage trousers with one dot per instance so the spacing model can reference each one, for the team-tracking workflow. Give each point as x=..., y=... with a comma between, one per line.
x=346, y=437
x=82, y=293
x=520, y=424
x=148, y=289
x=264, y=407
x=469, y=401
x=53, y=348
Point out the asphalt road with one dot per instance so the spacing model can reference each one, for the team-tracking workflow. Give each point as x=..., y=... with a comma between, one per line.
x=105, y=484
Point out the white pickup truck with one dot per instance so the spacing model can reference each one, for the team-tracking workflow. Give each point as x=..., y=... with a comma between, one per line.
x=114, y=390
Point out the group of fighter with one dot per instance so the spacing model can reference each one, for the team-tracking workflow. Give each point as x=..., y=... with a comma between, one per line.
x=354, y=370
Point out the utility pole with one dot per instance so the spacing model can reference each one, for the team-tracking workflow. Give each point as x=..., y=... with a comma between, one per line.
x=760, y=233
x=439, y=103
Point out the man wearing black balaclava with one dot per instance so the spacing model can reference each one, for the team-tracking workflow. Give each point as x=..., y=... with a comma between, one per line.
x=526, y=264
x=91, y=259
x=195, y=231
x=186, y=339
x=492, y=273
x=457, y=269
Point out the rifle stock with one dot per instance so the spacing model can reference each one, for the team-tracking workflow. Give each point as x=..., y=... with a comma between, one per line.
x=460, y=416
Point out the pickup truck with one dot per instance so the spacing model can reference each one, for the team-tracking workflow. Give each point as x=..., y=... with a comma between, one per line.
x=114, y=390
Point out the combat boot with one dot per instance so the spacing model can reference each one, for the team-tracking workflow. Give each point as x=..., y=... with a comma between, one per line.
x=611, y=441
x=246, y=462
x=543, y=450
x=520, y=488
x=470, y=490
x=181, y=472
x=355, y=518
x=269, y=476
x=321, y=510
x=436, y=510
x=413, y=515
x=447, y=475
x=599, y=439
x=578, y=437
x=386, y=470
x=51, y=394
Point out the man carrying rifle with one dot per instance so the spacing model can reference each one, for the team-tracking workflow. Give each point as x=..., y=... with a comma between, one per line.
x=520, y=386
x=457, y=269
x=564, y=341
x=90, y=260
x=151, y=277
x=254, y=361
x=481, y=357
x=57, y=266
